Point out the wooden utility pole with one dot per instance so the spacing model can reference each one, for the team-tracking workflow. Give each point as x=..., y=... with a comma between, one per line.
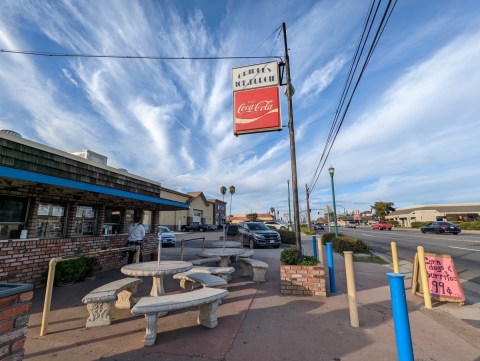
x=289, y=92
x=308, y=207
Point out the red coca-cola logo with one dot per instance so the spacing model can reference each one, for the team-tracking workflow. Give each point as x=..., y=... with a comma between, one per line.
x=255, y=107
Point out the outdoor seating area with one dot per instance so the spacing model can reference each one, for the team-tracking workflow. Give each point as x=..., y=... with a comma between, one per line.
x=157, y=303
x=256, y=269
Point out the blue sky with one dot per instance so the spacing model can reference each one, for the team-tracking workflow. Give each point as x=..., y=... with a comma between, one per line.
x=410, y=137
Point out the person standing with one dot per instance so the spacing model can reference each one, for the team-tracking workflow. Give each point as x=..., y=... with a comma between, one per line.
x=136, y=233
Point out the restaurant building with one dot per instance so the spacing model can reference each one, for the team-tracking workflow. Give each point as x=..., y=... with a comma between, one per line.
x=56, y=204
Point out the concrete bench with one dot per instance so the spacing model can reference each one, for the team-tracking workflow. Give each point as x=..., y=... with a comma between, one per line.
x=100, y=300
x=223, y=272
x=248, y=254
x=206, y=261
x=206, y=298
x=255, y=268
x=188, y=281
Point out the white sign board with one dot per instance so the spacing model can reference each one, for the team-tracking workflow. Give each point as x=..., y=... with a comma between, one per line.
x=255, y=76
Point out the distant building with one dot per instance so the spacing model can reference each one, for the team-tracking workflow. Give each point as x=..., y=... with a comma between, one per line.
x=435, y=212
x=219, y=211
x=261, y=217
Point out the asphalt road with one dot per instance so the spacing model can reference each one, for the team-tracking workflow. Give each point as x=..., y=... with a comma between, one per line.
x=463, y=248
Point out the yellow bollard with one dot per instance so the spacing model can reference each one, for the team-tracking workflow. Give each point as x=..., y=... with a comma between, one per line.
x=48, y=295
x=320, y=250
x=137, y=254
x=394, y=258
x=423, y=274
x=352, y=302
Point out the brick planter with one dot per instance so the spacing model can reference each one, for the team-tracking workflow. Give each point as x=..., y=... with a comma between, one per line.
x=302, y=280
x=15, y=300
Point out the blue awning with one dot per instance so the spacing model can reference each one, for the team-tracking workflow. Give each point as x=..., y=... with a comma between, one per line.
x=55, y=181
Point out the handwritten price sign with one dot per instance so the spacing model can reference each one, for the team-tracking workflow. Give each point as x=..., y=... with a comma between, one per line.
x=442, y=278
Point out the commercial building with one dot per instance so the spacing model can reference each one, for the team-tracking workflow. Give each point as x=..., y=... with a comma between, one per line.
x=54, y=204
x=455, y=213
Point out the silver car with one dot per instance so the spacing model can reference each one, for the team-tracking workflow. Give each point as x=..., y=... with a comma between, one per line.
x=167, y=236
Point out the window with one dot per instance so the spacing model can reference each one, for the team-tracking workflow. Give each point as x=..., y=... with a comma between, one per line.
x=85, y=221
x=50, y=220
x=147, y=221
x=13, y=213
x=111, y=225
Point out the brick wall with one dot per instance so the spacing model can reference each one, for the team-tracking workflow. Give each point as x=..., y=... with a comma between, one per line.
x=26, y=261
x=14, y=316
x=302, y=280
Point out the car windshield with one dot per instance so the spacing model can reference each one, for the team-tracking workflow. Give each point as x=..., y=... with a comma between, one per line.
x=257, y=227
x=164, y=229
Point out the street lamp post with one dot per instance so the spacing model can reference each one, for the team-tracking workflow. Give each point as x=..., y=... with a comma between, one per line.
x=289, y=212
x=331, y=170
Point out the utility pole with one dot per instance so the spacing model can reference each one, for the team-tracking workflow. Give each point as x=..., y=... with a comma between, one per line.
x=293, y=159
x=289, y=210
x=308, y=207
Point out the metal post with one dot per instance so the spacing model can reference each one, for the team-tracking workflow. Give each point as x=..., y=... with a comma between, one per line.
x=331, y=171
x=400, y=317
x=352, y=298
x=181, y=250
x=315, y=254
x=394, y=257
x=331, y=271
x=289, y=211
x=320, y=250
x=293, y=159
x=137, y=254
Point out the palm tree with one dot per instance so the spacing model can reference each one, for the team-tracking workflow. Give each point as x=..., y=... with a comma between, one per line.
x=231, y=189
x=223, y=190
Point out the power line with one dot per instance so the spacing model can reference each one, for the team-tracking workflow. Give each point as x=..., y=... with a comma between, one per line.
x=336, y=123
x=147, y=57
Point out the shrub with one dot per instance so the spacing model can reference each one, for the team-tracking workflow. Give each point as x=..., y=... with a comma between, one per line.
x=75, y=270
x=306, y=231
x=345, y=243
x=288, y=237
x=290, y=256
x=418, y=224
x=472, y=226
x=395, y=223
x=308, y=261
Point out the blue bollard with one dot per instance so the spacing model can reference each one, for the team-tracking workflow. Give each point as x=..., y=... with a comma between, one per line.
x=315, y=253
x=400, y=317
x=331, y=271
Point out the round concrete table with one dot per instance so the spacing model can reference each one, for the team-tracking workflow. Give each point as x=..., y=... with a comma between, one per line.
x=226, y=244
x=224, y=254
x=157, y=271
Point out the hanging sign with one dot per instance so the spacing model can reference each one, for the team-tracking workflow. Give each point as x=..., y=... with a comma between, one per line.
x=256, y=102
x=256, y=110
x=442, y=277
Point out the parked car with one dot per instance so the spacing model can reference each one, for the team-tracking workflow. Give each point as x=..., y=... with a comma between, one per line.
x=195, y=227
x=212, y=227
x=351, y=224
x=441, y=227
x=167, y=236
x=381, y=225
x=275, y=224
x=257, y=234
x=318, y=227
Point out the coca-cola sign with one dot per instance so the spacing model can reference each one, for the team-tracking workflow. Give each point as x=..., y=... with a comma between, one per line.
x=256, y=110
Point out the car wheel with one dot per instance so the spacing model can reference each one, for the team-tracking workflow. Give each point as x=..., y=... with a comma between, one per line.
x=276, y=246
x=424, y=232
x=282, y=228
x=389, y=229
x=251, y=243
x=455, y=233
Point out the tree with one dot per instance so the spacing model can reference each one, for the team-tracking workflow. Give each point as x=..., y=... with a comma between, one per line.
x=252, y=217
x=223, y=190
x=231, y=189
x=381, y=209
x=272, y=211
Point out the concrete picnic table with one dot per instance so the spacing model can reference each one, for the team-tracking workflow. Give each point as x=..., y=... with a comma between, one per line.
x=223, y=253
x=226, y=244
x=156, y=270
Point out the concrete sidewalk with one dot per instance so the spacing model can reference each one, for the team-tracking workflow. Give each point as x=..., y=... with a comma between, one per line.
x=255, y=322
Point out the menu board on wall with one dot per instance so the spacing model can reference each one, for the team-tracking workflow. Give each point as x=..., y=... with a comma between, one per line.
x=57, y=211
x=442, y=277
x=43, y=209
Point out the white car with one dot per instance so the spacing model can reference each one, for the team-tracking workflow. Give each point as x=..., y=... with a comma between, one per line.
x=167, y=236
x=276, y=225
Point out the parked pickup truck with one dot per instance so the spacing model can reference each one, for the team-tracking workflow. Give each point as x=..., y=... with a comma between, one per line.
x=195, y=227
x=381, y=225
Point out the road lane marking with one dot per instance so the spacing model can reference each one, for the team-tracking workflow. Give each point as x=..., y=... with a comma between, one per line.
x=466, y=249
